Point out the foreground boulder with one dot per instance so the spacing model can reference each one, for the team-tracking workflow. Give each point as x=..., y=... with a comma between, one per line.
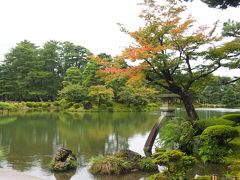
x=64, y=160
x=122, y=162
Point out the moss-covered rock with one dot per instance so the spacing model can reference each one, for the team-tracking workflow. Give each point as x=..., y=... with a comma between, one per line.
x=109, y=165
x=147, y=165
x=119, y=163
x=64, y=160
x=131, y=156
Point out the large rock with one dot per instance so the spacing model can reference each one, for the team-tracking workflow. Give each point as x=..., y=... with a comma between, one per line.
x=131, y=156
x=64, y=160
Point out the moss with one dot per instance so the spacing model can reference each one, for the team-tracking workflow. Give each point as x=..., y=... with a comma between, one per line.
x=59, y=166
x=203, y=178
x=215, y=142
x=203, y=124
x=147, y=165
x=177, y=162
x=232, y=117
x=158, y=176
x=109, y=165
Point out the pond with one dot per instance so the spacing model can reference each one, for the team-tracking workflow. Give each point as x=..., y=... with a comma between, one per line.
x=28, y=140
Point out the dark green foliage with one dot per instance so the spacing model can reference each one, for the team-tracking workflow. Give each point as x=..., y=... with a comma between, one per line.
x=232, y=117
x=73, y=93
x=177, y=162
x=222, y=4
x=109, y=165
x=178, y=133
x=215, y=141
x=231, y=29
x=147, y=165
x=137, y=96
x=203, y=124
x=30, y=73
x=229, y=97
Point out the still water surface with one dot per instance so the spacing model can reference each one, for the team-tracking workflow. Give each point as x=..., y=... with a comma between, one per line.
x=28, y=140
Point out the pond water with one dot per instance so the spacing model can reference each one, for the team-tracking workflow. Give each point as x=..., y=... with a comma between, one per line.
x=28, y=140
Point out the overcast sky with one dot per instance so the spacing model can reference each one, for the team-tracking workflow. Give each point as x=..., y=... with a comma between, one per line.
x=90, y=23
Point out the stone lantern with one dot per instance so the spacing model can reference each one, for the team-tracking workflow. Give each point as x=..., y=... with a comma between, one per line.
x=167, y=110
x=168, y=107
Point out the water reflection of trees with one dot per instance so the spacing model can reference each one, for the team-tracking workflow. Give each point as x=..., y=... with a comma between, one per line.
x=33, y=137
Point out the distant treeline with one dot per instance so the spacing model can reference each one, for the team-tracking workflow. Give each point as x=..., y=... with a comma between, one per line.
x=69, y=72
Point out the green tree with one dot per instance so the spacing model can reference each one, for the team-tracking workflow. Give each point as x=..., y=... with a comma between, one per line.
x=222, y=4
x=89, y=74
x=174, y=55
x=74, y=55
x=73, y=76
x=22, y=59
x=100, y=94
x=229, y=97
x=73, y=93
x=8, y=83
x=137, y=96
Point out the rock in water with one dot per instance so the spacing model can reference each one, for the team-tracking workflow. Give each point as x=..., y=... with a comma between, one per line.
x=64, y=160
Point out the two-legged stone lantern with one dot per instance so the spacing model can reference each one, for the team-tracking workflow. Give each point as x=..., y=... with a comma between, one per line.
x=167, y=110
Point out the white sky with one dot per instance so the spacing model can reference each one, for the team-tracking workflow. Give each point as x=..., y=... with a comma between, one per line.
x=90, y=23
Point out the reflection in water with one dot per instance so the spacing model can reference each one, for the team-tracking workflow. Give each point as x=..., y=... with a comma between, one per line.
x=64, y=175
x=32, y=138
x=29, y=139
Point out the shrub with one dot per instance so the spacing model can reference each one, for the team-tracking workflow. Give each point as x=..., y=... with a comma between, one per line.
x=215, y=141
x=232, y=117
x=177, y=162
x=158, y=176
x=76, y=105
x=45, y=104
x=204, y=178
x=7, y=106
x=147, y=165
x=178, y=134
x=56, y=103
x=203, y=124
x=109, y=165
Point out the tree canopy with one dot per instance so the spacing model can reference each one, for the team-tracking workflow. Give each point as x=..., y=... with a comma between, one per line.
x=222, y=4
x=173, y=52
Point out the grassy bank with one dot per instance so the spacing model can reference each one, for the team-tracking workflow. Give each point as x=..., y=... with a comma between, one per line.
x=76, y=107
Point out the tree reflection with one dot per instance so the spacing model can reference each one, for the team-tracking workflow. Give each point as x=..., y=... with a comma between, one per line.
x=32, y=138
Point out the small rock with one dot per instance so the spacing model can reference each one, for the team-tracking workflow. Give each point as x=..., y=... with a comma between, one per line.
x=64, y=160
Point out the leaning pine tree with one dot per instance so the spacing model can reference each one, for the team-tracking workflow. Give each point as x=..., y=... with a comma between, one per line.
x=172, y=53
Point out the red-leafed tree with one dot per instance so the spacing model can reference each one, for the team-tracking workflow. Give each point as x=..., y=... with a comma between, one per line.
x=172, y=52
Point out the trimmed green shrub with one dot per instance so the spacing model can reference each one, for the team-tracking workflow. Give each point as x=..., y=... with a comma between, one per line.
x=215, y=141
x=232, y=117
x=177, y=162
x=203, y=124
x=109, y=165
x=147, y=165
x=45, y=104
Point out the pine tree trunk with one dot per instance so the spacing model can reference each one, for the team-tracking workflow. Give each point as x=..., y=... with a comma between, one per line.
x=190, y=109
